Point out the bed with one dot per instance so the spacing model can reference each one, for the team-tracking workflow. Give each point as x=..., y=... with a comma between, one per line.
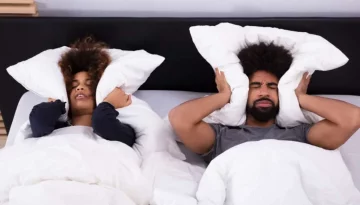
x=184, y=75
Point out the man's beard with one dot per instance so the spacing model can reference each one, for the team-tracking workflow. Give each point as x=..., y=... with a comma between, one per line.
x=263, y=114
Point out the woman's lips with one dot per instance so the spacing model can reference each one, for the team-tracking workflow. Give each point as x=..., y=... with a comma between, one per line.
x=81, y=97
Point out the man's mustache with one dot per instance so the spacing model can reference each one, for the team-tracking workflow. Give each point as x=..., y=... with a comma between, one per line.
x=264, y=99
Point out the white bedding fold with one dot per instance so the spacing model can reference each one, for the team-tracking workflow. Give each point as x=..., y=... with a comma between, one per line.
x=277, y=172
x=175, y=182
x=87, y=160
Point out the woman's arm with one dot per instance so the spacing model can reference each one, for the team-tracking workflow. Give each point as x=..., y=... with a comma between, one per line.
x=106, y=125
x=44, y=117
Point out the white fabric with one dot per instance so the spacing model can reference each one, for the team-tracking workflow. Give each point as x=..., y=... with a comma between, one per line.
x=152, y=133
x=129, y=73
x=220, y=44
x=175, y=182
x=56, y=192
x=170, y=99
x=277, y=172
x=71, y=161
x=42, y=75
x=128, y=70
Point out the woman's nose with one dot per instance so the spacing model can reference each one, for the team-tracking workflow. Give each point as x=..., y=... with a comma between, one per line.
x=79, y=88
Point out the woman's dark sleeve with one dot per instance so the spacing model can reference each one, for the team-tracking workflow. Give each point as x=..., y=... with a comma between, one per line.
x=44, y=118
x=106, y=125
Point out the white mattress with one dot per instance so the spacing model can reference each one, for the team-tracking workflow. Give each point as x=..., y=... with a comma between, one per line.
x=163, y=101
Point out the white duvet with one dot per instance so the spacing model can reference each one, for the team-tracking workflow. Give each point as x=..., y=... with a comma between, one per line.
x=73, y=167
x=175, y=182
x=272, y=172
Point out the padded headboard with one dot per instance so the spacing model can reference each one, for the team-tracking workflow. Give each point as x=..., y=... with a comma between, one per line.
x=184, y=68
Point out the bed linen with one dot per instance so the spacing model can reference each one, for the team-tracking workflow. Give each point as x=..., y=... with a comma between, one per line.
x=175, y=182
x=277, y=172
x=75, y=162
x=181, y=170
x=220, y=45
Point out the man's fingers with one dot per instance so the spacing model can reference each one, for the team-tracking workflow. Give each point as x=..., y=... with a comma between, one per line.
x=129, y=101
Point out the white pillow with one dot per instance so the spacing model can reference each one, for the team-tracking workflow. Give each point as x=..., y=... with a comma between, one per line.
x=42, y=75
x=129, y=72
x=220, y=44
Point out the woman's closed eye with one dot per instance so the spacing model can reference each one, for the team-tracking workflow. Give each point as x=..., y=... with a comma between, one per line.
x=88, y=82
x=74, y=84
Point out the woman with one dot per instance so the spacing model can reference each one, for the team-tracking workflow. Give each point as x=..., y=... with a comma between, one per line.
x=82, y=67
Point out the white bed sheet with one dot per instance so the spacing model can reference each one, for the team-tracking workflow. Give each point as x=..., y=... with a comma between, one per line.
x=163, y=101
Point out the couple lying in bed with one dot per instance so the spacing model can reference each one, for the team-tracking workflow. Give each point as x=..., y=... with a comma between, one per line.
x=264, y=64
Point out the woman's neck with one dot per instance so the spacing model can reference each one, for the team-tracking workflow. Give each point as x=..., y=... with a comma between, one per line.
x=81, y=120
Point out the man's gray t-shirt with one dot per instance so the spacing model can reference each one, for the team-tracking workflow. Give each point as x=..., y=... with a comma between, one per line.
x=227, y=137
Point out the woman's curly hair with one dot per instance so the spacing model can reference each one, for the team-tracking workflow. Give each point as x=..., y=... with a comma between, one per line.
x=85, y=55
x=268, y=57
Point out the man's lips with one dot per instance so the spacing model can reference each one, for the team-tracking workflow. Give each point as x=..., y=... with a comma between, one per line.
x=263, y=103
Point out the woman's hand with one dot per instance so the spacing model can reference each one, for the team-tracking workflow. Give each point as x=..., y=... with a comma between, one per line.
x=118, y=98
x=51, y=100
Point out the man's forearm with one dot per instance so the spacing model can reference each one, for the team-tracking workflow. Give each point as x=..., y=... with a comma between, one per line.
x=194, y=111
x=336, y=111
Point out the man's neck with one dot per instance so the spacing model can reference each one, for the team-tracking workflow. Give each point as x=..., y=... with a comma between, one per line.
x=81, y=120
x=250, y=121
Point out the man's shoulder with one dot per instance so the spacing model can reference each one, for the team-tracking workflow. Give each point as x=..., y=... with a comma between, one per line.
x=301, y=125
x=221, y=126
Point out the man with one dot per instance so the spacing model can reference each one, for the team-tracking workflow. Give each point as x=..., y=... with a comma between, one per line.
x=264, y=64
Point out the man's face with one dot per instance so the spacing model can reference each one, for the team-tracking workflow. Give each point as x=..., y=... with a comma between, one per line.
x=263, y=99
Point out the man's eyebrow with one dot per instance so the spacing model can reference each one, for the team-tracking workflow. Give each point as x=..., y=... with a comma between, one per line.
x=255, y=83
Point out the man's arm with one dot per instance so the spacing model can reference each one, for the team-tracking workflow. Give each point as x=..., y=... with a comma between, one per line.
x=186, y=119
x=341, y=121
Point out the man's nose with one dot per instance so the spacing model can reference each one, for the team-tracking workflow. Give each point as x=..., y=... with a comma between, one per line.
x=264, y=91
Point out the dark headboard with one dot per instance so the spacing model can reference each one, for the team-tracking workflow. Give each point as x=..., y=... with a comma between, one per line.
x=184, y=68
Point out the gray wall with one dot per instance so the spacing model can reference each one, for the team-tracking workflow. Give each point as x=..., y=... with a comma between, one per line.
x=200, y=8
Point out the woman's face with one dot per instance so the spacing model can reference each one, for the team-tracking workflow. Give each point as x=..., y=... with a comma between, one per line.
x=81, y=97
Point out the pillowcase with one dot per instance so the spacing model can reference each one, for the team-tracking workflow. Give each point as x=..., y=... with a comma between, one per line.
x=129, y=71
x=220, y=44
x=42, y=75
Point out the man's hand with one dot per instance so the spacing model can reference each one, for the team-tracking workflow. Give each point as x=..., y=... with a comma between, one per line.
x=303, y=86
x=118, y=98
x=222, y=85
